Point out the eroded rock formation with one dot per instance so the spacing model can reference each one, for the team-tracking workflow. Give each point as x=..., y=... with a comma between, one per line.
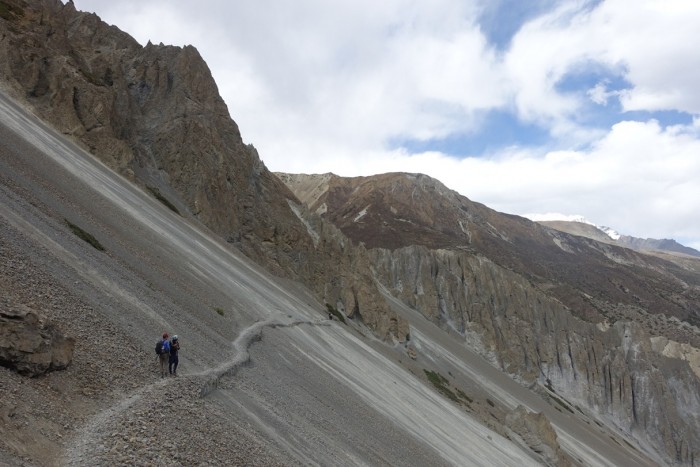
x=613, y=370
x=538, y=301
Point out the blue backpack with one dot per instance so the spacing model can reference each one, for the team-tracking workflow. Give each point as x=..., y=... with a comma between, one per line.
x=162, y=346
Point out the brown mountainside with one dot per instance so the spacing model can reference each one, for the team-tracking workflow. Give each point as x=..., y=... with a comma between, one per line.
x=594, y=279
x=579, y=228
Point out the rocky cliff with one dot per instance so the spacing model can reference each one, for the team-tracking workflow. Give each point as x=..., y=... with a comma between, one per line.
x=653, y=244
x=613, y=371
x=154, y=115
x=583, y=320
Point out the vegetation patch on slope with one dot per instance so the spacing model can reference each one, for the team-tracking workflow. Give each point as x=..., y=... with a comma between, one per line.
x=156, y=192
x=333, y=311
x=442, y=385
x=88, y=237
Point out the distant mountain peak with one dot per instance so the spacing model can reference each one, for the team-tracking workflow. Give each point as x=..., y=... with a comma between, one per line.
x=554, y=216
x=556, y=221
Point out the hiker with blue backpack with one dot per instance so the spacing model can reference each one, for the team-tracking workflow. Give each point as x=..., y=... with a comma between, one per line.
x=163, y=351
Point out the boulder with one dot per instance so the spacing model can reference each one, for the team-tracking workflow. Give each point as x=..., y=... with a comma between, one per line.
x=535, y=432
x=30, y=345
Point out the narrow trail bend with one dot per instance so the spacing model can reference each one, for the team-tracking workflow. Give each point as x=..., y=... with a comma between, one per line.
x=131, y=430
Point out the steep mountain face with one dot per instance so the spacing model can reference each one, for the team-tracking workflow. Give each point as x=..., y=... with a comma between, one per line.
x=586, y=320
x=154, y=115
x=615, y=370
x=407, y=210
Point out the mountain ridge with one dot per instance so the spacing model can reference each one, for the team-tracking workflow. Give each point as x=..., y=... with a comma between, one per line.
x=590, y=230
x=393, y=217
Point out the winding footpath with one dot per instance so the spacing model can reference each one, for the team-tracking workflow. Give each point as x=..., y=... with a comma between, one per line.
x=164, y=421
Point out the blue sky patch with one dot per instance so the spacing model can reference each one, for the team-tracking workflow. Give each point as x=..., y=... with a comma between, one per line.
x=499, y=130
x=665, y=117
x=500, y=20
x=608, y=111
x=586, y=75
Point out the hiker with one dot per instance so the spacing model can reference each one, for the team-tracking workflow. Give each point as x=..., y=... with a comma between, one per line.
x=163, y=351
x=174, y=360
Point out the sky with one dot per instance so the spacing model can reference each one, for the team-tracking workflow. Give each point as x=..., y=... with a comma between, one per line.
x=586, y=108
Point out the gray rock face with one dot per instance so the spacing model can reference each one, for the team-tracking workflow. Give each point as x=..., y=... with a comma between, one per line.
x=31, y=346
x=612, y=371
x=154, y=115
x=666, y=244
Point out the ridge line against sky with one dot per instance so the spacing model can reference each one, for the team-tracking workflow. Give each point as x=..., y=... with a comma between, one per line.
x=585, y=108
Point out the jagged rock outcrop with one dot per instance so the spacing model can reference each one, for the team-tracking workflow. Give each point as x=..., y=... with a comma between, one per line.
x=537, y=434
x=613, y=370
x=30, y=345
x=154, y=114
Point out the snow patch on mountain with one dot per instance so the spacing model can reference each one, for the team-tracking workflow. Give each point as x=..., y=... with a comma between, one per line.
x=361, y=214
x=610, y=232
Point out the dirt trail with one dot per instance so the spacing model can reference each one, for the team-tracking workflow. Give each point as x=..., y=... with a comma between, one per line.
x=89, y=447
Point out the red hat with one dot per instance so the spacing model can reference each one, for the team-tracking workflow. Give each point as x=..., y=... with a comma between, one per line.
x=165, y=335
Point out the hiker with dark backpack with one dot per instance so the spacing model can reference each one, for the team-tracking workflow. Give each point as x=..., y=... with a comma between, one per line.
x=174, y=359
x=163, y=351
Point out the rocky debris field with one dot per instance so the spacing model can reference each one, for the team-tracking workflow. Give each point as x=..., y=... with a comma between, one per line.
x=147, y=421
x=109, y=406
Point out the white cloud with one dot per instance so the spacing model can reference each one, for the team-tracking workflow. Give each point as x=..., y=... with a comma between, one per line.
x=600, y=94
x=639, y=179
x=652, y=43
